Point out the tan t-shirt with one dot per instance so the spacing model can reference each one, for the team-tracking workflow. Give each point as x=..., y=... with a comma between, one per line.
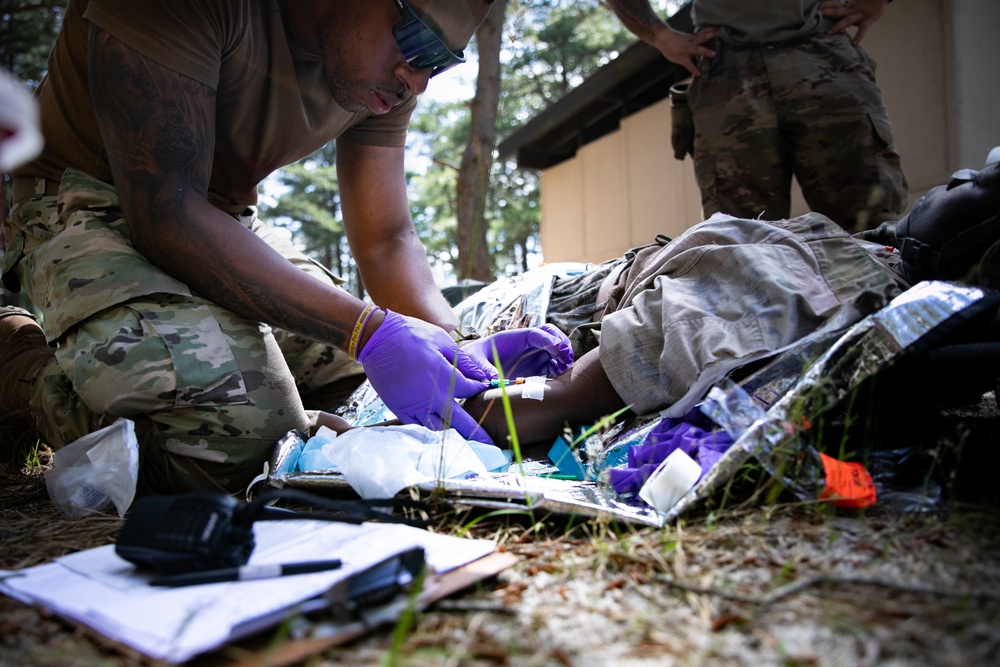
x=760, y=22
x=273, y=105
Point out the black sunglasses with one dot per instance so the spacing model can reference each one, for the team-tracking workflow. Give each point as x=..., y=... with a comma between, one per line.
x=421, y=46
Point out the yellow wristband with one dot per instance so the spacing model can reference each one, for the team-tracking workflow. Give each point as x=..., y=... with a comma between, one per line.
x=352, y=349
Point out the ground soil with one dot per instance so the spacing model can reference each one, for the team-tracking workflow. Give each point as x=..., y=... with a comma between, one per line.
x=764, y=584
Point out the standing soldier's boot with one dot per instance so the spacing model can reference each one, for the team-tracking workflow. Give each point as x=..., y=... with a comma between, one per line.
x=23, y=351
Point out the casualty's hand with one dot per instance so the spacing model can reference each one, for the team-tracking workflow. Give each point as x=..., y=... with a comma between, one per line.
x=543, y=350
x=683, y=47
x=860, y=13
x=318, y=418
x=419, y=371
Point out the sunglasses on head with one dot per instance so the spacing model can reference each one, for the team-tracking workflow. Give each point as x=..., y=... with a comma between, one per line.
x=421, y=46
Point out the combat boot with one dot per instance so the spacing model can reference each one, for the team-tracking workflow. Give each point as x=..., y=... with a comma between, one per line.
x=23, y=351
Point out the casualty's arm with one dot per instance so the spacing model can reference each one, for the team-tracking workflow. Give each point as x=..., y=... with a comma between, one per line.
x=384, y=242
x=581, y=395
x=158, y=128
x=677, y=47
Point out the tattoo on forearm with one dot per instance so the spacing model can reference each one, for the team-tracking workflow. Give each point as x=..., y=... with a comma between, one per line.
x=158, y=129
x=638, y=16
x=148, y=134
x=265, y=305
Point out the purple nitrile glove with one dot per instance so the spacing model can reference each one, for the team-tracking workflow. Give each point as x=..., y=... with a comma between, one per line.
x=630, y=480
x=668, y=435
x=419, y=371
x=543, y=350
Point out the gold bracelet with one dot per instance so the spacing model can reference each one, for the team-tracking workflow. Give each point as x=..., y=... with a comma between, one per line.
x=352, y=349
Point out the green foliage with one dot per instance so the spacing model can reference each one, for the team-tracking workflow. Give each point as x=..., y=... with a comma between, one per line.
x=27, y=30
x=438, y=133
x=406, y=620
x=553, y=47
x=466, y=528
x=550, y=47
x=516, y=215
x=309, y=208
x=508, y=412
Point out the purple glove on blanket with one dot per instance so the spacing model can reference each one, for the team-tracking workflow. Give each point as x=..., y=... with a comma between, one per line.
x=704, y=446
x=543, y=350
x=418, y=371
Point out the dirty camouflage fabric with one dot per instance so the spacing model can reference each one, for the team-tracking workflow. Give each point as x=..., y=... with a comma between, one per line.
x=809, y=108
x=578, y=302
x=210, y=392
x=575, y=304
x=729, y=291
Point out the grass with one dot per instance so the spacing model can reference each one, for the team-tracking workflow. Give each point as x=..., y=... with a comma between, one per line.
x=32, y=460
x=406, y=620
x=595, y=591
x=599, y=592
x=508, y=412
x=16, y=453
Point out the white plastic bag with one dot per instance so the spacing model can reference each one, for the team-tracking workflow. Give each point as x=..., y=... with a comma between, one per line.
x=379, y=461
x=95, y=472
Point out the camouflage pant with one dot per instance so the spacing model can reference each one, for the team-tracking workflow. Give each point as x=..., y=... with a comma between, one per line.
x=810, y=108
x=210, y=391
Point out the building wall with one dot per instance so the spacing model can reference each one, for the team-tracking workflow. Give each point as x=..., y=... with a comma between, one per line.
x=562, y=212
x=975, y=43
x=663, y=195
x=938, y=65
x=619, y=192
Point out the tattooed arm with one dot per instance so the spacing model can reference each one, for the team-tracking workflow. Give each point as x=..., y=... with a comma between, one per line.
x=158, y=128
x=677, y=47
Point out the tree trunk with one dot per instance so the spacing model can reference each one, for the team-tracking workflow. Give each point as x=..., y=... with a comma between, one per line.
x=523, y=245
x=473, y=173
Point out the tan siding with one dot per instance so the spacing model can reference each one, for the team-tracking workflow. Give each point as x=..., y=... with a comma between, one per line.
x=605, y=204
x=662, y=191
x=562, y=212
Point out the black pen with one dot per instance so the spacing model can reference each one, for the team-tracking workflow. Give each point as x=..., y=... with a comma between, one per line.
x=245, y=573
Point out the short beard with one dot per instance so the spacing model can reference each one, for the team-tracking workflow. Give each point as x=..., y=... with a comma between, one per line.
x=339, y=85
x=339, y=88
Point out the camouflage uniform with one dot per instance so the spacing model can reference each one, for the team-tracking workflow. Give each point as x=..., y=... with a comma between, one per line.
x=210, y=391
x=726, y=292
x=809, y=107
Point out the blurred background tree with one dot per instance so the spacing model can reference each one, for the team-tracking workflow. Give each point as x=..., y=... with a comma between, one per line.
x=548, y=47
x=27, y=30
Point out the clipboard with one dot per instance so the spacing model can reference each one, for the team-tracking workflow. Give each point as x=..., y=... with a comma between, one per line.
x=257, y=652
